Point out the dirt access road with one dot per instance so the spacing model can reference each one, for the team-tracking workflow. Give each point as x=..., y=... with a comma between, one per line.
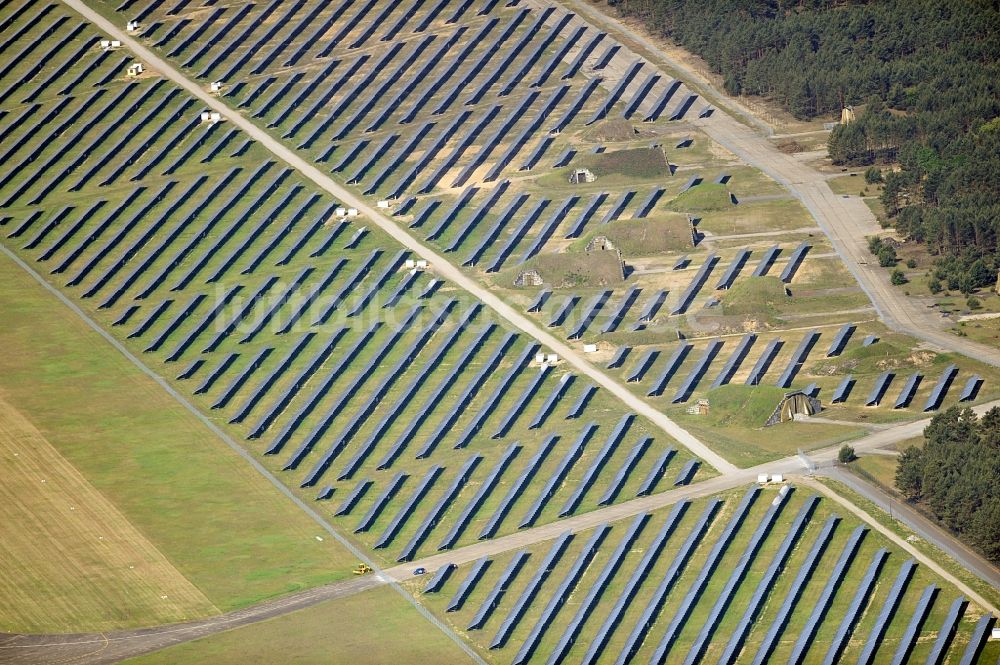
x=846, y=221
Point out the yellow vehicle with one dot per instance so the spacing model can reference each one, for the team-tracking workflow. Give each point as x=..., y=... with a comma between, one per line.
x=362, y=569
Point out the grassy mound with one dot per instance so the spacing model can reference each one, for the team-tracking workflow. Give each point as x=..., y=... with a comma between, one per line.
x=571, y=270
x=635, y=163
x=757, y=298
x=702, y=198
x=743, y=406
x=645, y=237
x=877, y=358
x=612, y=129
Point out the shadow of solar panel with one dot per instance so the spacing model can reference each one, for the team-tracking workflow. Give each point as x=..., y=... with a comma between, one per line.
x=558, y=476
x=402, y=402
x=203, y=324
x=440, y=577
x=616, y=93
x=527, y=596
x=517, y=78
x=597, y=465
x=697, y=372
x=879, y=389
x=971, y=389
x=240, y=379
x=354, y=497
x=683, y=107
x=798, y=359
x=216, y=373
x=735, y=360
x=673, y=364
x=843, y=390
x=560, y=595
x=581, y=403
x=521, y=403
x=517, y=488
x=660, y=105
x=733, y=271
x=659, y=596
x=981, y=634
x=639, y=96
x=562, y=386
x=695, y=286
x=355, y=386
x=191, y=369
x=127, y=315
x=439, y=508
x=858, y=602
x=448, y=421
x=941, y=388
x=887, y=612
x=656, y=472
x=841, y=339
x=909, y=388
x=469, y=583
x=766, y=583
x=822, y=604
x=766, y=261
x=576, y=105
x=318, y=392
x=240, y=316
x=696, y=652
x=391, y=489
x=482, y=494
x=794, y=261
x=499, y=589
x=182, y=316
x=687, y=472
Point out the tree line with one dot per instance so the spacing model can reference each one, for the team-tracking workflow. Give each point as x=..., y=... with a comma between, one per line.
x=925, y=75
x=956, y=475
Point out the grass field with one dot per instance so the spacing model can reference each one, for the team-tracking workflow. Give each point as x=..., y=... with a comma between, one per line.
x=881, y=467
x=215, y=519
x=71, y=560
x=851, y=184
x=377, y=626
x=735, y=425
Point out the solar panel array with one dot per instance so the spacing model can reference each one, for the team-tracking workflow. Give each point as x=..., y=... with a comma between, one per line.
x=214, y=255
x=744, y=566
x=304, y=329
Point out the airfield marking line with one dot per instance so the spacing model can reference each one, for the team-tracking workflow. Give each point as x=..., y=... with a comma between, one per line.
x=440, y=265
